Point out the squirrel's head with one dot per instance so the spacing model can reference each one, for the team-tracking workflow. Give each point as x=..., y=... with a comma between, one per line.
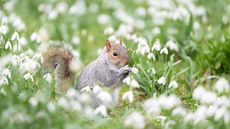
x=117, y=54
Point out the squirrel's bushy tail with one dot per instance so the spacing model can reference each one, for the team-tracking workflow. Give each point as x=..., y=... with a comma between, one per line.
x=59, y=59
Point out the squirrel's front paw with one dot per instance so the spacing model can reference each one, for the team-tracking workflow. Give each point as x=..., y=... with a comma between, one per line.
x=125, y=71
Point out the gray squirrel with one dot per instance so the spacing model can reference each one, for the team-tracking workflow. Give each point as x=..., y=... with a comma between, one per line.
x=109, y=69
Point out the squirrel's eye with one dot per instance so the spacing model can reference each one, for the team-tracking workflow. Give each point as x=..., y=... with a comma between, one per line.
x=115, y=54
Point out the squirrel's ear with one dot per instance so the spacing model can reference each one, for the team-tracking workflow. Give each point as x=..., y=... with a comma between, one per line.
x=108, y=45
x=120, y=42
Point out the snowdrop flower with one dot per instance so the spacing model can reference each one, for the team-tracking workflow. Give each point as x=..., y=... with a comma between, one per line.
x=76, y=40
x=72, y=93
x=15, y=36
x=97, y=89
x=222, y=85
x=179, y=111
x=162, y=80
x=61, y=7
x=109, y=31
x=93, y=8
x=48, y=77
x=3, y=80
x=152, y=70
x=198, y=92
x=156, y=31
x=62, y=102
x=168, y=102
x=86, y=89
x=7, y=73
x=141, y=11
x=164, y=50
x=112, y=38
x=103, y=19
x=52, y=15
x=156, y=46
x=134, y=70
x=105, y=98
x=128, y=96
x=152, y=106
x=78, y=8
x=33, y=101
x=151, y=56
x=8, y=45
x=28, y=76
x=88, y=112
x=29, y=65
x=135, y=120
x=173, y=84
x=143, y=46
x=101, y=110
x=196, y=26
x=134, y=84
x=35, y=37
x=171, y=45
x=3, y=29
x=51, y=107
x=84, y=97
x=220, y=113
x=127, y=80
x=204, y=96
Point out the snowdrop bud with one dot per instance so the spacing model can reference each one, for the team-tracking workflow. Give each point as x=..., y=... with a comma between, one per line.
x=8, y=45
x=109, y=31
x=28, y=76
x=3, y=29
x=151, y=56
x=222, y=85
x=128, y=96
x=173, y=84
x=134, y=70
x=156, y=46
x=101, y=110
x=162, y=80
x=15, y=36
x=48, y=77
x=164, y=50
x=134, y=84
x=86, y=89
x=135, y=120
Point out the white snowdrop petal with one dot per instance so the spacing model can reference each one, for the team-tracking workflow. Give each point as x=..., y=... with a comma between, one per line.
x=162, y=80
x=128, y=96
x=135, y=120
